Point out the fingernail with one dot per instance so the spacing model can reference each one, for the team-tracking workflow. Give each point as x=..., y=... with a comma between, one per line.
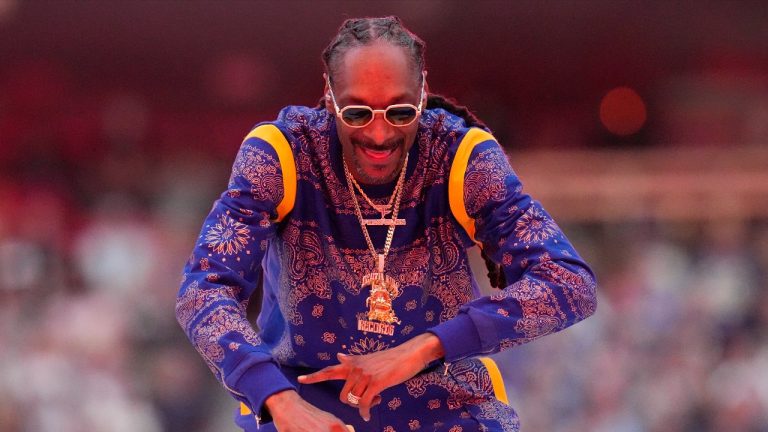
x=367, y=418
x=302, y=377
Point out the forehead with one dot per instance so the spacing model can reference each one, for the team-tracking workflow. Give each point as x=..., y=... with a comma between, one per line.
x=375, y=73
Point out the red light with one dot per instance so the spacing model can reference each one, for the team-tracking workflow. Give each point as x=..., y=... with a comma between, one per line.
x=622, y=111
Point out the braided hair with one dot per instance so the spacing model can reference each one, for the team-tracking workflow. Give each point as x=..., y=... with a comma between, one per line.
x=356, y=32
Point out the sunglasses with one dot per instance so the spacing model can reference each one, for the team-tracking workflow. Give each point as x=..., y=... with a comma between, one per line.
x=358, y=116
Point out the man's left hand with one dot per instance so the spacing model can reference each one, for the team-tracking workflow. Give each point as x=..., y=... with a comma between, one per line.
x=368, y=375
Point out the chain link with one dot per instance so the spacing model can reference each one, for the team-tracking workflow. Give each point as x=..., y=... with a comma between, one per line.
x=396, y=194
x=381, y=208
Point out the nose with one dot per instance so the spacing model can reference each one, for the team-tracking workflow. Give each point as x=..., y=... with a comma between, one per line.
x=379, y=130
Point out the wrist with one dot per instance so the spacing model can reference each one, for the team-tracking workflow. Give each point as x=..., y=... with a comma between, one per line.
x=430, y=348
x=276, y=400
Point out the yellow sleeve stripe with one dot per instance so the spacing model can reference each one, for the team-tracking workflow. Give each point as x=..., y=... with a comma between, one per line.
x=244, y=410
x=498, y=383
x=275, y=138
x=456, y=178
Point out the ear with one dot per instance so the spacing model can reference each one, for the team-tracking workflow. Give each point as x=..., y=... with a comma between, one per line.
x=327, y=97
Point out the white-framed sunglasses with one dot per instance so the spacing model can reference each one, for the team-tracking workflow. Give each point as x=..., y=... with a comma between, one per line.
x=359, y=116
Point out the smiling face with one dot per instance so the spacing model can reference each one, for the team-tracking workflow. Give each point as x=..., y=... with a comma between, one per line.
x=376, y=75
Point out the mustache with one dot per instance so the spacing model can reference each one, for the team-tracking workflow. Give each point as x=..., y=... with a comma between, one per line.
x=371, y=145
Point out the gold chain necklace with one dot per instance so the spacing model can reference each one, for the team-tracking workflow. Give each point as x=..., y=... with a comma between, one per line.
x=384, y=289
x=397, y=194
x=384, y=209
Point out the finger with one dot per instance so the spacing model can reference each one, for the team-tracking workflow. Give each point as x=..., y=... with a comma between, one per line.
x=344, y=358
x=359, y=386
x=376, y=401
x=325, y=374
x=366, y=400
x=352, y=378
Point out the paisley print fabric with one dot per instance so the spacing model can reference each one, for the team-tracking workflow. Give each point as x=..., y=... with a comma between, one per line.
x=310, y=265
x=459, y=397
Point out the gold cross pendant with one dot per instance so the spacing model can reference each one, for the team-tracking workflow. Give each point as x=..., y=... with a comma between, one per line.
x=383, y=209
x=382, y=221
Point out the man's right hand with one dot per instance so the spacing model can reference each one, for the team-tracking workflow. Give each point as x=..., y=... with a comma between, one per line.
x=291, y=413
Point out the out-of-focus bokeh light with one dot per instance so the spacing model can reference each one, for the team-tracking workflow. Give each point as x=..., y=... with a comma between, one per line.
x=622, y=111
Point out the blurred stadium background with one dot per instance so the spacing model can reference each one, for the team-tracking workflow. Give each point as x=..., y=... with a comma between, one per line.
x=641, y=125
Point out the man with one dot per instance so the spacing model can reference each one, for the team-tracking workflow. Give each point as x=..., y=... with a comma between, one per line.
x=356, y=215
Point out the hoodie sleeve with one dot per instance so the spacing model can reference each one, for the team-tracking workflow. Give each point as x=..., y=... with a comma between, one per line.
x=225, y=265
x=549, y=287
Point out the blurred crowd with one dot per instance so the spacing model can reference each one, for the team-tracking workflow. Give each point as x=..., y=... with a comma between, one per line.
x=104, y=185
x=679, y=341
x=94, y=229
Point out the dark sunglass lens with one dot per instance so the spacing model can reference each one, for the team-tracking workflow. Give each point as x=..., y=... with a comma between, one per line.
x=401, y=115
x=356, y=116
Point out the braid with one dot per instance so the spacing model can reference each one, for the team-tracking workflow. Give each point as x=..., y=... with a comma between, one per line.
x=357, y=32
x=495, y=272
x=440, y=101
